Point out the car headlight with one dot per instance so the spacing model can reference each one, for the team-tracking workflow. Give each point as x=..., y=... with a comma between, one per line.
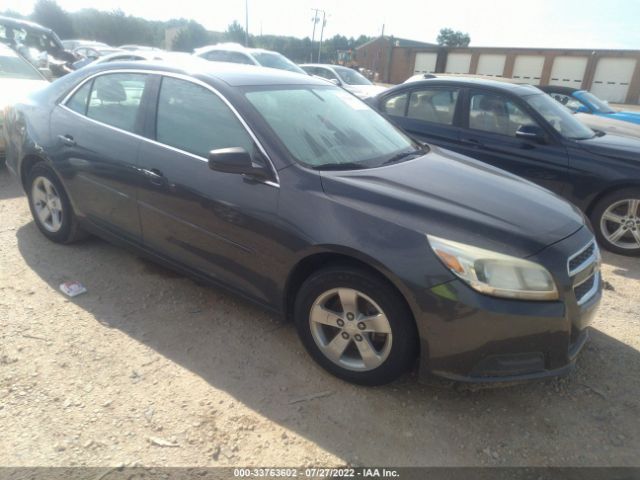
x=494, y=273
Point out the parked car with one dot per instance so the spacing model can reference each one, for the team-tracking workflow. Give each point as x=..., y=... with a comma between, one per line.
x=140, y=48
x=88, y=55
x=235, y=53
x=39, y=45
x=522, y=130
x=344, y=77
x=295, y=194
x=581, y=101
x=609, y=125
x=142, y=55
x=72, y=44
x=18, y=78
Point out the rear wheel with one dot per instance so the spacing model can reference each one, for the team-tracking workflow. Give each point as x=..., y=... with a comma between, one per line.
x=616, y=219
x=50, y=206
x=356, y=326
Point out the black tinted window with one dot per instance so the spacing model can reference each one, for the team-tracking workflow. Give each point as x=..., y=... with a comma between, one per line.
x=78, y=102
x=195, y=120
x=115, y=99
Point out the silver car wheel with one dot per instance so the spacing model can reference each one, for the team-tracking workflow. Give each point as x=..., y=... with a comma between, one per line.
x=620, y=224
x=350, y=329
x=47, y=204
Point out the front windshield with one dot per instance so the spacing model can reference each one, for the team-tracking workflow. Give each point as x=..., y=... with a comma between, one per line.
x=559, y=117
x=596, y=104
x=14, y=67
x=351, y=77
x=328, y=128
x=275, y=60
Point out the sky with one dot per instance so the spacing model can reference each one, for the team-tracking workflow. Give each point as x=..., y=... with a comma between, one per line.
x=499, y=23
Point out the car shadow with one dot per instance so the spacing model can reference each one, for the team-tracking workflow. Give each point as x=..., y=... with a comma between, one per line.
x=9, y=186
x=591, y=417
x=627, y=267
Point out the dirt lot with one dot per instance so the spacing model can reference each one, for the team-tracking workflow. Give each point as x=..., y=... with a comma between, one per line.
x=149, y=368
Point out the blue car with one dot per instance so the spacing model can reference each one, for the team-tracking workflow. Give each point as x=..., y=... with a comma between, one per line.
x=581, y=101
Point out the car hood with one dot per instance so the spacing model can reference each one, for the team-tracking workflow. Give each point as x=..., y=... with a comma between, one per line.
x=452, y=196
x=633, y=117
x=365, y=91
x=611, y=145
x=13, y=89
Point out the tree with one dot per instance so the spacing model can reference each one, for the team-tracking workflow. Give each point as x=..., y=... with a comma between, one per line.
x=235, y=33
x=49, y=14
x=192, y=36
x=451, y=38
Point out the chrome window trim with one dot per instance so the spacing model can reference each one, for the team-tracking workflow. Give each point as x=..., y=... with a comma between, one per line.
x=588, y=262
x=63, y=104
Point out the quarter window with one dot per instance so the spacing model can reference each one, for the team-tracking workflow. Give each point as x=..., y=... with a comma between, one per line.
x=433, y=105
x=195, y=120
x=497, y=114
x=78, y=102
x=115, y=99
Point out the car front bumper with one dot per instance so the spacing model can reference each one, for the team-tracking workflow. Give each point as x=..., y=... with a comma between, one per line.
x=471, y=337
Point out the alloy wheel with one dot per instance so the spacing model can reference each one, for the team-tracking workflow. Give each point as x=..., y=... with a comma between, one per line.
x=47, y=204
x=350, y=329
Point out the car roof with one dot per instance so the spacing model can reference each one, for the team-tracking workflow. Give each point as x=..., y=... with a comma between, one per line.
x=19, y=23
x=517, y=89
x=324, y=65
x=559, y=89
x=232, y=74
x=232, y=47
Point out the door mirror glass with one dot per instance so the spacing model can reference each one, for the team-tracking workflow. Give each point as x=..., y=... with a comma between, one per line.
x=234, y=160
x=531, y=132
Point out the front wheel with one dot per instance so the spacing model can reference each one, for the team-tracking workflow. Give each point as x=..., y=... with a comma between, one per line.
x=356, y=326
x=616, y=220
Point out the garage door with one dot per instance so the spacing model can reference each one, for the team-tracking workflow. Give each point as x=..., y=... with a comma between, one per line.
x=425, y=63
x=491, y=65
x=458, y=63
x=612, y=78
x=528, y=69
x=568, y=71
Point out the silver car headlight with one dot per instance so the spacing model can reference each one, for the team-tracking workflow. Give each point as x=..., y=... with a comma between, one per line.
x=494, y=273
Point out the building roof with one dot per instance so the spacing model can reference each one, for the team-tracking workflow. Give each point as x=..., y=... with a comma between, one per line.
x=399, y=42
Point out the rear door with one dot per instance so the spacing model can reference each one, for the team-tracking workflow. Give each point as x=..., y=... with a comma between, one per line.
x=96, y=131
x=426, y=113
x=491, y=120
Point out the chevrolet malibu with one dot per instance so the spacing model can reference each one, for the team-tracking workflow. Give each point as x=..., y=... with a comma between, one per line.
x=296, y=195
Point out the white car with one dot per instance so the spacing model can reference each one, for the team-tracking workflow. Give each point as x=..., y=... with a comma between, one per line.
x=347, y=78
x=18, y=78
x=236, y=53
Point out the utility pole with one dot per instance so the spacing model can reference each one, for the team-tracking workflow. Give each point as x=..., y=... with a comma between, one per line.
x=313, y=35
x=246, y=23
x=382, y=34
x=324, y=22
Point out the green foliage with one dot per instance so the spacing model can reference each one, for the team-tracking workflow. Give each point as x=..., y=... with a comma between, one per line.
x=49, y=14
x=191, y=36
x=451, y=38
x=235, y=33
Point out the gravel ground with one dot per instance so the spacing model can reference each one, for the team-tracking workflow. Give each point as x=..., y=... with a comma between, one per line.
x=148, y=368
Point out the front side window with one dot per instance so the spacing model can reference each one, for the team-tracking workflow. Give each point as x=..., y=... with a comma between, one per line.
x=351, y=77
x=275, y=60
x=194, y=119
x=115, y=99
x=325, y=73
x=237, y=57
x=436, y=105
x=497, y=114
x=217, y=56
x=328, y=128
x=560, y=118
x=396, y=105
x=568, y=101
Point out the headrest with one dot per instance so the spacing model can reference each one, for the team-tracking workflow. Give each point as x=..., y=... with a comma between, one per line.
x=111, y=91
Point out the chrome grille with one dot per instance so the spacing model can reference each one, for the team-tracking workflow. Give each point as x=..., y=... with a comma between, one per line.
x=587, y=257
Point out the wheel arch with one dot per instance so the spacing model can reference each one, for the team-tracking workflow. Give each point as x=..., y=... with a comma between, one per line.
x=608, y=191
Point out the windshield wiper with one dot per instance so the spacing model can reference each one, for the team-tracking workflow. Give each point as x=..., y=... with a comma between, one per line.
x=340, y=166
x=403, y=156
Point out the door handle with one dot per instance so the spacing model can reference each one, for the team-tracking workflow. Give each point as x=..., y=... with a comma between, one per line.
x=67, y=140
x=155, y=176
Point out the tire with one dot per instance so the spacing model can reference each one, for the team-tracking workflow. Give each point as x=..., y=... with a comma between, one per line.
x=65, y=228
x=618, y=213
x=395, y=345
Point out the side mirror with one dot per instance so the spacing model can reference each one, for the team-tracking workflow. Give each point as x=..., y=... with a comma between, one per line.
x=335, y=81
x=531, y=132
x=235, y=160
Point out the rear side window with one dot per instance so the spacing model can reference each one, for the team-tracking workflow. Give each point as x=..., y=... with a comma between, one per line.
x=217, y=56
x=396, y=105
x=433, y=105
x=115, y=99
x=237, y=57
x=194, y=119
x=78, y=102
